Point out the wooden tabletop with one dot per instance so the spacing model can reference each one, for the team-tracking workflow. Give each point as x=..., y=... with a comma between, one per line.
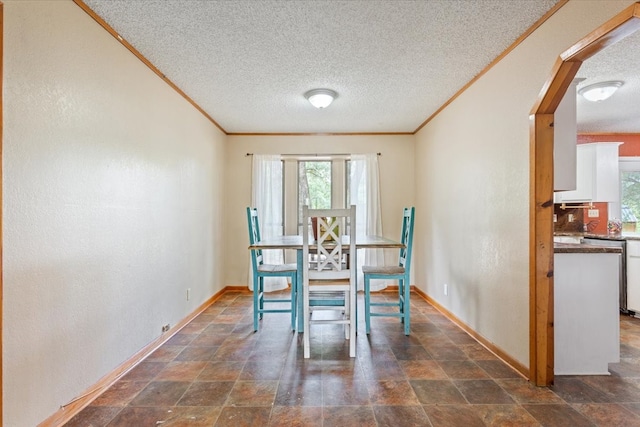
x=295, y=242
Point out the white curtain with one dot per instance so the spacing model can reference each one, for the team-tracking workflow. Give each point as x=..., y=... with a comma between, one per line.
x=266, y=197
x=365, y=194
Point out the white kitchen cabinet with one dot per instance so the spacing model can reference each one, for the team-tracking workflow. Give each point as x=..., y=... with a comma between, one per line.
x=633, y=275
x=565, y=131
x=586, y=313
x=597, y=175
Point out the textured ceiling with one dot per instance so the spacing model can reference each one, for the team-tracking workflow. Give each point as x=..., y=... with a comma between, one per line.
x=393, y=63
x=621, y=112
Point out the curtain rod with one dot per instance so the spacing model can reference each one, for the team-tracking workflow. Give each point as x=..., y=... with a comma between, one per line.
x=313, y=154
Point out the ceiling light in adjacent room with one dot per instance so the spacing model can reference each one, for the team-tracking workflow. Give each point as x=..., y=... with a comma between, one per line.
x=321, y=98
x=599, y=91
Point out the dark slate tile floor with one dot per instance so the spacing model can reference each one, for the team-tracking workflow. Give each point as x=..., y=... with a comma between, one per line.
x=217, y=372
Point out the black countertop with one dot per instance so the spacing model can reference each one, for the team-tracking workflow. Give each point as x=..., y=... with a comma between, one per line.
x=620, y=236
x=572, y=248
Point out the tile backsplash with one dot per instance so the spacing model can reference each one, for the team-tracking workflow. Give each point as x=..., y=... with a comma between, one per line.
x=572, y=219
x=568, y=220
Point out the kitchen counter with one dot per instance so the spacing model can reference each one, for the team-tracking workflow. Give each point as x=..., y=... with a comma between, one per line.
x=586, y=309
x=567, y=248
x=625, y=235
x=617, y=236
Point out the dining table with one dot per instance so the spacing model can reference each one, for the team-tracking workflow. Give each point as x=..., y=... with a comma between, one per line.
x=294, y=242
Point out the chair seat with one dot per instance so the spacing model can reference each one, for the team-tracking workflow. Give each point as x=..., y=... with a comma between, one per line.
x=344, y=282
x=319, y=286
x=388, y=270
x=277, y=268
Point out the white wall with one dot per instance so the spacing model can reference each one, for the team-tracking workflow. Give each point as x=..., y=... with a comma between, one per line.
x=112, y=206
x=396, y=183
x=472, y=185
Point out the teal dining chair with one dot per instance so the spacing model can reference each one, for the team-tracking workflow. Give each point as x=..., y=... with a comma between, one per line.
x=262, y=270
x=400, y=272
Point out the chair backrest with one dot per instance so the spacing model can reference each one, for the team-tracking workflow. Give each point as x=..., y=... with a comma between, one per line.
x=408, y=215
x=336, y=236
x=254, y=236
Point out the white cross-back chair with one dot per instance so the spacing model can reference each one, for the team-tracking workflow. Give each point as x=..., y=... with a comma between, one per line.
x=329, y=273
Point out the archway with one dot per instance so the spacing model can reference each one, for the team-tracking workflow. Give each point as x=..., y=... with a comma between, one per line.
x=541, y=363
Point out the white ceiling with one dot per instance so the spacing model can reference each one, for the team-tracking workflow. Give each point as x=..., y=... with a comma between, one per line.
x=393, y=63
x=621, y=112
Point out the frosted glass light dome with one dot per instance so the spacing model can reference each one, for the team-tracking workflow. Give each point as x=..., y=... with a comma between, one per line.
x=321, y=98
x=599, y=91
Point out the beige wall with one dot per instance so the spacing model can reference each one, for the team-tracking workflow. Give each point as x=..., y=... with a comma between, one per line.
x=396, y=183
x=112, y=207
x=472, y=191
x=114, y=195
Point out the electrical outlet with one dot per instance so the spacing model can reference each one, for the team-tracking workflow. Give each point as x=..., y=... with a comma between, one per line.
x=555, y=217
x=570, y=217
x=446, y=289
x=165, y=328
x=594, y=213
x=188, y=294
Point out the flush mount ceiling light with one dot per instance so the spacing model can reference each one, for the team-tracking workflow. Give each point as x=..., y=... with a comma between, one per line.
x=599, y=91
x=321, y=98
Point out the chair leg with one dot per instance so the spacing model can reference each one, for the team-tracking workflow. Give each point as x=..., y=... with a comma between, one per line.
x=261, y=297
x=299, y=292
x=347, y=314
x=401, y=299
x=256, y=291
x=294, y=302
x=367, y=302
x=356, y=313
x=352, y=324
x=406, y=308
x=305, y=314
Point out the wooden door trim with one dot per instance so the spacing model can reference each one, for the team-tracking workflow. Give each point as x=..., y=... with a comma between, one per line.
x=1, y=202
x=541, y=304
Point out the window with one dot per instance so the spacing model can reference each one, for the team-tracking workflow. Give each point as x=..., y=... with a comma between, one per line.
x=324, y=182
x=320, y=183
x=629, y=192
x=314, y=185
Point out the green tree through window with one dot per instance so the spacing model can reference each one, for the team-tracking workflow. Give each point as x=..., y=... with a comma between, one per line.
x=314, y=185
x=631, y=192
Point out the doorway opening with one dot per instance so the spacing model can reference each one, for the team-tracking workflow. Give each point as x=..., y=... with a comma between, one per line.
x=541, y=305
